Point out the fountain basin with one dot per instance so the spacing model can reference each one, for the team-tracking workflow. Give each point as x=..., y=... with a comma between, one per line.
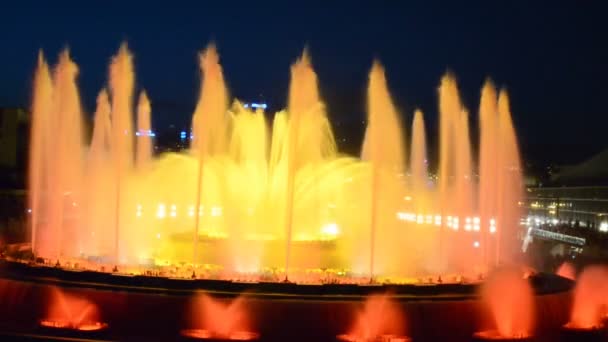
x=65, y=325
x=206, y=335
x=493, y=335
x=382, y=338
x=156, y=307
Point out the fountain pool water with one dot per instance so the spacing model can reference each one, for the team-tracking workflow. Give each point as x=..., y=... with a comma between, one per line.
x=257, y=198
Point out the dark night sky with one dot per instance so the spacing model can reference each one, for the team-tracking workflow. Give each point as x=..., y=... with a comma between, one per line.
x=552, y=57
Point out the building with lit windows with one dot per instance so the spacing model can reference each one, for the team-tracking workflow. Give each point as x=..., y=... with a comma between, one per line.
x=577, y=196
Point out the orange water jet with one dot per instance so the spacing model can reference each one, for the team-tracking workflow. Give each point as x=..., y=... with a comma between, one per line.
x=509, y=298
x=567, y=271
x=590, y=298
x=215, y=319
x=380, y=319
x=67, y=311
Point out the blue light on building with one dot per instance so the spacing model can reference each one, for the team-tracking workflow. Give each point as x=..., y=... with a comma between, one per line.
x=258, y=105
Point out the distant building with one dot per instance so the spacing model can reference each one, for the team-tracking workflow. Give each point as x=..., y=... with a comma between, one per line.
x=576, y=195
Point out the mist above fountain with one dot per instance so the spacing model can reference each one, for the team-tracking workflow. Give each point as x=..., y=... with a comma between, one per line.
x=258, y=197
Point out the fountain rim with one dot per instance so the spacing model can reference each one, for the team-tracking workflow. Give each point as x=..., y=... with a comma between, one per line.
x=543, y=284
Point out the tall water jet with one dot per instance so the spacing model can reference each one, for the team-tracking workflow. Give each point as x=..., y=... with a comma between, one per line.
x=463, y=170
x=509, y=299
x=100, y=182
x=452, y=190
x=248, y=148
x=212, y=319
x=144, y=136
x=65, y=171
x=419, y=164
x=488, y=161
x=383, y=149
x=208, y=124
x=121, y=88
x=449, y=110
x=380, y=319
x=509, y=180
x=42, y=102
x=304, y=106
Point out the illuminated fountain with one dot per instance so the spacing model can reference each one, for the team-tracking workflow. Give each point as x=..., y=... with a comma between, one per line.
x=70, y=312
x=253, y=199
x=380, y=320
x=588, y=307
x=218, y=321
x=567, y=271
x=510, y=299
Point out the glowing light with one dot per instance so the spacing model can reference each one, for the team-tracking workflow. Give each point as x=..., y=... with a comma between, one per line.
x=476, y=220
x=158, y=235
x=492, y=229
x=604, y=227
x=419, y=219
x=161, y=212
x=407, y=198
x=216, y=211
x=330, y=229
x=476, y=244
x=259, y=105
x=437, y=220
x=429, y=219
